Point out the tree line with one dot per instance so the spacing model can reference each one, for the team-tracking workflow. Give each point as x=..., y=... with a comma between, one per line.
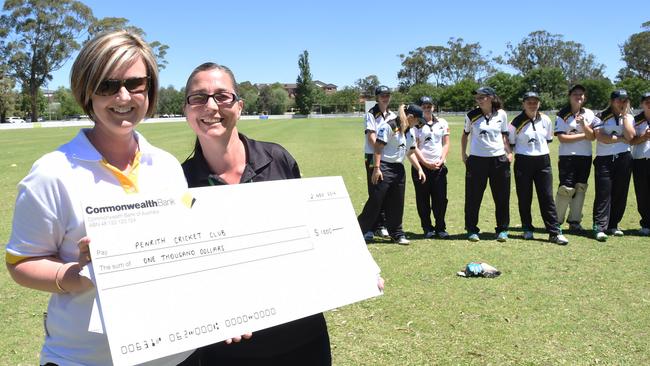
x=37, y=37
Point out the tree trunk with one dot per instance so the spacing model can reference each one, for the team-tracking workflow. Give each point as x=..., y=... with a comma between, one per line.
x=33, y=96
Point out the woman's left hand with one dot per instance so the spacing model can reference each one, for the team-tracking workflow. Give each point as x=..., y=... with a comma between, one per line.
x=380, y=283
x=421, y=176
x=84, y=251
x=238, y=339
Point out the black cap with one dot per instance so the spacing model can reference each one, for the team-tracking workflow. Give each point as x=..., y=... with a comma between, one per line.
x=382, y=89
x=577, y=86
x=645, y=96
x=416, y=111
x=486, y=90
x=619, y=94
x=530, y=94
x=425, y=100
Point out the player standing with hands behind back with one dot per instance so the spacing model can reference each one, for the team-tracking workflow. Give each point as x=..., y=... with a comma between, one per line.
x=573, y=130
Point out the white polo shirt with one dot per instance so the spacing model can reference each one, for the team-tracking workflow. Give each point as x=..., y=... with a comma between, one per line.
x=396, y=142
x=566, y=124
x=531, y=137
x=372, y=119
x=609, y=124
x=48, y=221
x=642, y=150
x=486, y=132
x=429, y=138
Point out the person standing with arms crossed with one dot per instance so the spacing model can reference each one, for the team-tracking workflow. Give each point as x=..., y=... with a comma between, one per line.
x=432, y=147
x=373, y=118
x=614, y=129
x=641, y=163
x=489, y=159
x=530, y=134
x=573, y=130
x=394, y=142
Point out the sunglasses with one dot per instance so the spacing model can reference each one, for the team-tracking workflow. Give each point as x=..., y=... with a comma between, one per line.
x=132, y=85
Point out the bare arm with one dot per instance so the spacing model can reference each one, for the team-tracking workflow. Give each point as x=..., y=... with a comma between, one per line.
x=414, y=161
x=43, y=273
x=628, y=127
x=639, y=139
x=463, y=147
x=377, y=176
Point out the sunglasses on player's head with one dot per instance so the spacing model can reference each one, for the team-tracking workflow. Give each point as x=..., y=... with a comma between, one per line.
x=132, y=85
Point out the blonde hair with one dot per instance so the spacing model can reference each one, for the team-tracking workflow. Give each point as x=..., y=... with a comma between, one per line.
x=403, y=118
x=104, y=54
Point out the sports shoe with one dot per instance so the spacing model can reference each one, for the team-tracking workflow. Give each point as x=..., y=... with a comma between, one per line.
x=401, y=240
x=601, y=236
x=429, y=234
x=502, y=236
x=382, y=232
x=644, y=231
x=616, y=232
x=528, y=235
x=575, y=226
x=443, y=234
x=558, y=239
x=368, y=236
x=473, y=237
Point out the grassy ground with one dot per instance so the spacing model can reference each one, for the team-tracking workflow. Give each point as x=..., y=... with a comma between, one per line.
x=587, y=303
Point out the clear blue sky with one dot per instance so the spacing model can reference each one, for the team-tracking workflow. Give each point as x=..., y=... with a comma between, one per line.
x=348, y=40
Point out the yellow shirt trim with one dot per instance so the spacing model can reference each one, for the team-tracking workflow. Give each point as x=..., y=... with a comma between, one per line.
x=14, y=259
x=128, y=180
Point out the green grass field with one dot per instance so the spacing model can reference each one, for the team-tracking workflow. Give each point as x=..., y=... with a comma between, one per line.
x=584, y=304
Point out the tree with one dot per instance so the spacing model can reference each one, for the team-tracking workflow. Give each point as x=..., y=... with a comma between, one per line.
x=446, y=64
x=273, y=99
x=635, y=88
x=249, y=93
x=541, y=49
x=510, y=88
x=344, y=100
x=8, y=96
x=304, y=85
x=459, y=97
x=550, y=84
x=598, y=91
x=42, y=36
x=420, y=90
x=635, y=53
x=366, y=86
x=68, y=106
x=113, y=24
x=170, y=101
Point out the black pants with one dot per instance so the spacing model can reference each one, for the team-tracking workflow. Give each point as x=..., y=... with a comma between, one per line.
x=369, y=163
x=537, y=170
x=431, y=196
x=641, y=173
x=478, y=171
x=612, y=178
x=389, y=194
x=574, y=169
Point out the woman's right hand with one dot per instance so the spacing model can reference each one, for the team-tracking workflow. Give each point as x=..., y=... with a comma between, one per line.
x=376, y=176
x=464, y=157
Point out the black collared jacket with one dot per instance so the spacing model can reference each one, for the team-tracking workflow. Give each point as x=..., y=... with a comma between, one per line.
x=265, y=161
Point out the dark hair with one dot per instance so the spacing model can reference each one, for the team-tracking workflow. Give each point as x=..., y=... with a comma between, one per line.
x=496, y=102
x=211, y=66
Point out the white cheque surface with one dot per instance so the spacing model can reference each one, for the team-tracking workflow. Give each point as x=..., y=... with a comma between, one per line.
x=175, y=274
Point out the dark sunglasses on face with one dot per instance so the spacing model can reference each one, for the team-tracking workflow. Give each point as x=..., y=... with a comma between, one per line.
x=222, y=97
x=132, y=85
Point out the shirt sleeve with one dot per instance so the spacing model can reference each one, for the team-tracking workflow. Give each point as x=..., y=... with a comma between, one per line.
x=596, y=123
x=468, y=125
x=505, y=126
x=383, y=133
x=371, y=124
x=549, y=129
x=560, y=126
x=512, y=134
x=445, y=127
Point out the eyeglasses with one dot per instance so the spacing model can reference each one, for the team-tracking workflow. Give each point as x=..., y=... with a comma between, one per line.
x=222, y=97
x=132, y=85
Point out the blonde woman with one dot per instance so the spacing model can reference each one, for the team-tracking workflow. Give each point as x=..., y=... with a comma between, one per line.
x=394, y=142
x=115, y=80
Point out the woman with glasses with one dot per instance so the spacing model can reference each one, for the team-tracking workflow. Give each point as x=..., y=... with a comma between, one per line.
x=115, y=80
x=224, y=156
x=614, y=129
x=530, y=134
x=489, y=159
x=432, y=147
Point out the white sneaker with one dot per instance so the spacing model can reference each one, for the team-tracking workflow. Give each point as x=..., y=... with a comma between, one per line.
x=644, y=231
x=402, y=240
x=429, y=234
x=616, y=232
x=443, y=234
x=601, y=236
x=558, y=239
x=382, y=233
x=368, y=236
x=528, y=235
